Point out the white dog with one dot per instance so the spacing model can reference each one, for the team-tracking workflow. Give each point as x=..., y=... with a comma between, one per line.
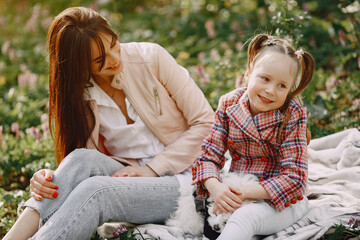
x=190, y=221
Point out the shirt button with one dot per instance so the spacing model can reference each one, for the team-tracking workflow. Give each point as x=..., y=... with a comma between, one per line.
x=261, y=179
x=236, y=157
x=230, y=142
x=293, y=201
x=287, y=204
x=264, y=159
x=300, y=198
x=117, y=81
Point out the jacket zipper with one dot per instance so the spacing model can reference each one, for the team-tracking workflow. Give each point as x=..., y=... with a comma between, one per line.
x=144, y=119
x=157, y=102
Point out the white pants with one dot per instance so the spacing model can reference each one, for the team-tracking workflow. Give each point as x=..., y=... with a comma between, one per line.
x=261, y=219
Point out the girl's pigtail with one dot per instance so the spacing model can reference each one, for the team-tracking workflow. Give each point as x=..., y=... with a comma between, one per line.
x=254, y=47
x=307, y=70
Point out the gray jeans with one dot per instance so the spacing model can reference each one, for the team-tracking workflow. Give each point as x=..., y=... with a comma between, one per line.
x=88, y=197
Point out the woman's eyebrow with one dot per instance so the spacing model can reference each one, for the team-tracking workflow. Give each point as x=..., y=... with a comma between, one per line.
x=98, y=58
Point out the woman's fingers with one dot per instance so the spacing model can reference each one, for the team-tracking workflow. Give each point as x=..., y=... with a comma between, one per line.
x=36, y=196
x=41, y=187
x=48, y=174
x=43, y=191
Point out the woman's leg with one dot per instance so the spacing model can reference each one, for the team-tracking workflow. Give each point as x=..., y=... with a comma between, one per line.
x=99, y=199
x=25, y=227
x=261, y=219
x=76, y=167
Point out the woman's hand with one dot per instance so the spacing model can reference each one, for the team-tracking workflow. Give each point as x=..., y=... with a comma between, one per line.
x=41, y=185
x=132, y=171
x=227, y=198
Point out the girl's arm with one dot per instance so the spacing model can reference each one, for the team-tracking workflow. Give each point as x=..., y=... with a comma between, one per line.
x=212, y=159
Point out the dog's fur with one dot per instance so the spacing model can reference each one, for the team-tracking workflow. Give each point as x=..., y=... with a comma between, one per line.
x=191, y=221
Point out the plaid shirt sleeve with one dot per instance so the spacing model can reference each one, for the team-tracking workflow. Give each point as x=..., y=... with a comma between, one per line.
x=291, y=183
x=212, y=159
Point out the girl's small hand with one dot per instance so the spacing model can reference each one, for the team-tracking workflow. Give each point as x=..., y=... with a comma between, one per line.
x=227, y=198
x=135, y=171
x=41, y=185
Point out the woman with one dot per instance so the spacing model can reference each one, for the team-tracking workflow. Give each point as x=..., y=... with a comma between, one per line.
x=131, y=102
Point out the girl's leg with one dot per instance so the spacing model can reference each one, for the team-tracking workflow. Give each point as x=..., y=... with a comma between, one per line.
x=77, y=166
x=261, y=219
x=99, y=199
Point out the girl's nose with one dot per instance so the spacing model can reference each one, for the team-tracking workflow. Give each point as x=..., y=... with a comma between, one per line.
x=270, y=89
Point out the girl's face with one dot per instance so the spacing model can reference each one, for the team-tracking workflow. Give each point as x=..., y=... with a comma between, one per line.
x=113, y=63
x=270, y=81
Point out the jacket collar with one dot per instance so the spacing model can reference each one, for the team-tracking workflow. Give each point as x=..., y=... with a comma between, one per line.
x=240, y=114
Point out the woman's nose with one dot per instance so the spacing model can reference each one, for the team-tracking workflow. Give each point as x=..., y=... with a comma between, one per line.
x=113, y=58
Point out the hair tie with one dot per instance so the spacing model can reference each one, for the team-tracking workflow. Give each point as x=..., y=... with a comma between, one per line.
x=299, y=53
x=270, y=41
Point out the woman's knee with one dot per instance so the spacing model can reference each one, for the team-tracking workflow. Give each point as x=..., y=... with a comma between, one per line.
x=81, y=156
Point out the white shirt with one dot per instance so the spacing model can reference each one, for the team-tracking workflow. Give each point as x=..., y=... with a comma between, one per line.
x=127, y=140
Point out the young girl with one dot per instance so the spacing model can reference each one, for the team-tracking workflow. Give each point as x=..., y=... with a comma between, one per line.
x=264, y=129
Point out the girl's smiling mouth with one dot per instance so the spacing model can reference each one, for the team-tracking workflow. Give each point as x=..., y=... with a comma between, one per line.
x=265, y=100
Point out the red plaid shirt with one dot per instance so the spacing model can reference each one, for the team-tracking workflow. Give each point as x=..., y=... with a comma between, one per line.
x=280, y=163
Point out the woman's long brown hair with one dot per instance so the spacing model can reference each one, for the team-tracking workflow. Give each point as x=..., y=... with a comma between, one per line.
x=69, y=39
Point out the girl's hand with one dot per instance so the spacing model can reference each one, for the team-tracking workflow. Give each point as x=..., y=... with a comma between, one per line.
x=132, y=171
x=227, y=198
x=41, y=185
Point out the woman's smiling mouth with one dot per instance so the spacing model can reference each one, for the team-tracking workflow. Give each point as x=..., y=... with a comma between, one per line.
x=115, y=67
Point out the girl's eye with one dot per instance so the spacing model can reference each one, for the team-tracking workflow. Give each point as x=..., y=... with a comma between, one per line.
x=282, y=85
x=265, y=79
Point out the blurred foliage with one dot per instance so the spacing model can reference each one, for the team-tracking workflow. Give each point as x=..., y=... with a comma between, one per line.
x=208, y=37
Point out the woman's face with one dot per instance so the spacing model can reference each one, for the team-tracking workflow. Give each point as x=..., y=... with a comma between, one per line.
x=113, y=63
x=270, y=81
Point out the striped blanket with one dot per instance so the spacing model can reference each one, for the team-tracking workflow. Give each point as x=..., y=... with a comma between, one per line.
x=334, y=191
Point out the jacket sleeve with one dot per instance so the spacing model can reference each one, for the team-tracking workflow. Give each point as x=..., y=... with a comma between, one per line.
x=290, y=185
x=181, y=154
x=212, y=159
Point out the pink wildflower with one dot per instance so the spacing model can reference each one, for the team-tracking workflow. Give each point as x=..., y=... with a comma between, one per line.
x=204, y=77
x=44, y=117
x=210, y=28
x=119, y=230
x=306, y=8
x=35, y=133
x=27, y=79
x=342, y=37
x=27, y=152
x=15, y=129
x=239, y=46
x=214, y=54
x=1, y=130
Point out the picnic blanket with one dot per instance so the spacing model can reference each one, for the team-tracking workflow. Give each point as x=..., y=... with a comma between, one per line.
x=333, y=191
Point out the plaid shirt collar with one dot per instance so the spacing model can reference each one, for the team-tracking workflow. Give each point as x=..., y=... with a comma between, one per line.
x=240, y=114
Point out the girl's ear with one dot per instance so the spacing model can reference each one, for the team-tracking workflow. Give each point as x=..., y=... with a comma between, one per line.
x=247, y=75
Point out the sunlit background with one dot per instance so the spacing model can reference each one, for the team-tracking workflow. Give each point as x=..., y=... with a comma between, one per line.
x=208, y=37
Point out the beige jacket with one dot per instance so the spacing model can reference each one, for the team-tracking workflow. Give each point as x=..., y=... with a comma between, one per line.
x=167, y=100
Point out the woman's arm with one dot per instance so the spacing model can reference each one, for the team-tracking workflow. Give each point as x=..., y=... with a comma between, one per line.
x=189, y=99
